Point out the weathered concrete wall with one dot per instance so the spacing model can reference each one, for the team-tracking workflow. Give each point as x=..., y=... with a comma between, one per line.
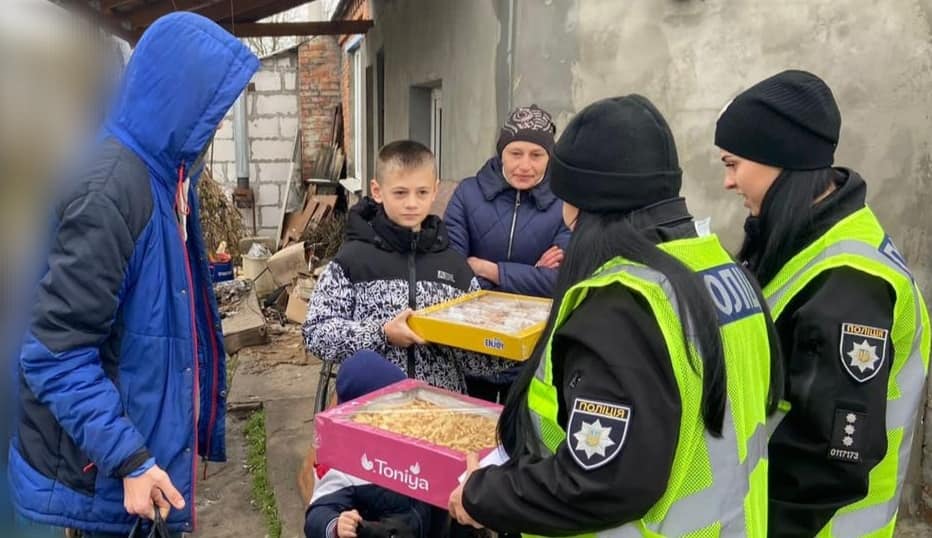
x=690, y=57
x=546, y=50
x=272, y=122
x=453, y=42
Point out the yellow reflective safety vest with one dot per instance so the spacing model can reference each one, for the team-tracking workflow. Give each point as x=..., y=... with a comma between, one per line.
x=717, y=487
x=859, y=242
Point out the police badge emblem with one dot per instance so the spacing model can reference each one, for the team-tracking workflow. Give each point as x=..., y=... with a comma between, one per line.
x=863, y=350
x=597, y=431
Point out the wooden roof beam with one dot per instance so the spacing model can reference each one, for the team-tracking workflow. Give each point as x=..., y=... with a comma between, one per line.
x=217, y=10
x=145, y=16
x=109, y=5
x=221, y=12
x=261, y=12
x=108, y=22
x=245, y=11
x=271, y=29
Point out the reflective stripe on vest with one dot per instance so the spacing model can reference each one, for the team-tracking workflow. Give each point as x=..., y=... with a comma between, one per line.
x=859, y=242
x=713, y=509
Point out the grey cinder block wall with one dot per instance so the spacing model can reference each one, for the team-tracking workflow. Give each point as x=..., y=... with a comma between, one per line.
x=272, y=118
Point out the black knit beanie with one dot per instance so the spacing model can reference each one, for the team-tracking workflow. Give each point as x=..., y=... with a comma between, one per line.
x=789, y=120
x=527, y=124
x=616, y=155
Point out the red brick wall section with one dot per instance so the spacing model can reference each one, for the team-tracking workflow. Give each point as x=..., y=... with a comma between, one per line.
x=358, y=10
x=347, y=96
x=318, y=94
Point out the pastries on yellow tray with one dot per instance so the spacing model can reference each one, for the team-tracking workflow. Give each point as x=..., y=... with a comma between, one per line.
x=506, y=314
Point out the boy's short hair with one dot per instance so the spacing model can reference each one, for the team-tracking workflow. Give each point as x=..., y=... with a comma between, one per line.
x=403, y=155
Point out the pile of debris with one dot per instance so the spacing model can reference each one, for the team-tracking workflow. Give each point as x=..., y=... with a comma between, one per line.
x=295, y=270
x=320, y=196
x=231, y=295
x=325, y=238
x=315, y=209
x=276, y=294
x=241, y=318
x=220, y=221
x=278, y=273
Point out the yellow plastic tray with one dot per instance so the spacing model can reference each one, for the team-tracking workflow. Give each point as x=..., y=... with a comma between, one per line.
x=516, y=346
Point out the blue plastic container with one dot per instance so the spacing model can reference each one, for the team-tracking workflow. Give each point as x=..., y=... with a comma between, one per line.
x=221, y=271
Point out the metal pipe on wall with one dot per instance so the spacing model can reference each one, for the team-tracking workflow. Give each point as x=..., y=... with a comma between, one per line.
x=243, y=195
x=241, y=142
x=511, y=55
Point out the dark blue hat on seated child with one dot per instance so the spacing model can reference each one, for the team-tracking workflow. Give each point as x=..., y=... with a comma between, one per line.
x=365, y=372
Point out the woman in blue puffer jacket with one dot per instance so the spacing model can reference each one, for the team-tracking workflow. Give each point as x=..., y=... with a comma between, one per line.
x=508, y=223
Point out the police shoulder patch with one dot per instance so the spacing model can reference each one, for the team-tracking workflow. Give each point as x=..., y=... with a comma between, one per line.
x=863, y=350
x=597, y=431
x=888, y=249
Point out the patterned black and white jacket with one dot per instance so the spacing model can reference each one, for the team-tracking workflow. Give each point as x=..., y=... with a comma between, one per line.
x=380, y=270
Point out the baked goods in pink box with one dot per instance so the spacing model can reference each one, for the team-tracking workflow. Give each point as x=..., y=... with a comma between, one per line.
x=409, y=437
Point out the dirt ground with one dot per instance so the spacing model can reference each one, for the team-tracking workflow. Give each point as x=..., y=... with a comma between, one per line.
x=285, y=346
x=279, y=378
x=224, y=505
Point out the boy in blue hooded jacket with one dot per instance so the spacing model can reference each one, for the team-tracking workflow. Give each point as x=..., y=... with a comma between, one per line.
x=121, y=372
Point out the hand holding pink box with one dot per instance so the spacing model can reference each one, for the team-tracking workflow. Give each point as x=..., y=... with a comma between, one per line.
x=409, y=437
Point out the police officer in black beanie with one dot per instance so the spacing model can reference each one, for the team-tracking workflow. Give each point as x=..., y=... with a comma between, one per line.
x=612, y=423
x=846, y=308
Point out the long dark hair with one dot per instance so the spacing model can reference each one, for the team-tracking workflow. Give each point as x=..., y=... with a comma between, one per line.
x=597, y=239
x=785, y=221
x=777, y=373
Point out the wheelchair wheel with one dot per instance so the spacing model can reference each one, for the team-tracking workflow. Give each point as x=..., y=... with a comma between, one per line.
x=324, y=383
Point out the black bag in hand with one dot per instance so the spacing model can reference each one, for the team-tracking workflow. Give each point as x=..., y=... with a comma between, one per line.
x=389, y=527
x=158, y=529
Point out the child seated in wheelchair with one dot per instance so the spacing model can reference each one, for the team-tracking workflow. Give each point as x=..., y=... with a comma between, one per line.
x=395, y=258
x=345, y=506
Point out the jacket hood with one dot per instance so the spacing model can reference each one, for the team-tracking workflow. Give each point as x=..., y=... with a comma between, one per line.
x=367, y=222
x=491, y=179
x=181, y=80
x=762, y=255
x=664, y=221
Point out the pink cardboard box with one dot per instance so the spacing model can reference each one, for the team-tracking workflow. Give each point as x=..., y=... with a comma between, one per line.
x=412, y=467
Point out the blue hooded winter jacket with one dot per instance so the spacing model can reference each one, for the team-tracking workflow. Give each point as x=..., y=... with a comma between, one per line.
x=124, y=357
x=488, y=218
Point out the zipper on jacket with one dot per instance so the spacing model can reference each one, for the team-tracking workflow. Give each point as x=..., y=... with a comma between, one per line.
x=577, y=375
x=196, y=375
x=215, y=382
x=514, y=220
x=412, y=294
